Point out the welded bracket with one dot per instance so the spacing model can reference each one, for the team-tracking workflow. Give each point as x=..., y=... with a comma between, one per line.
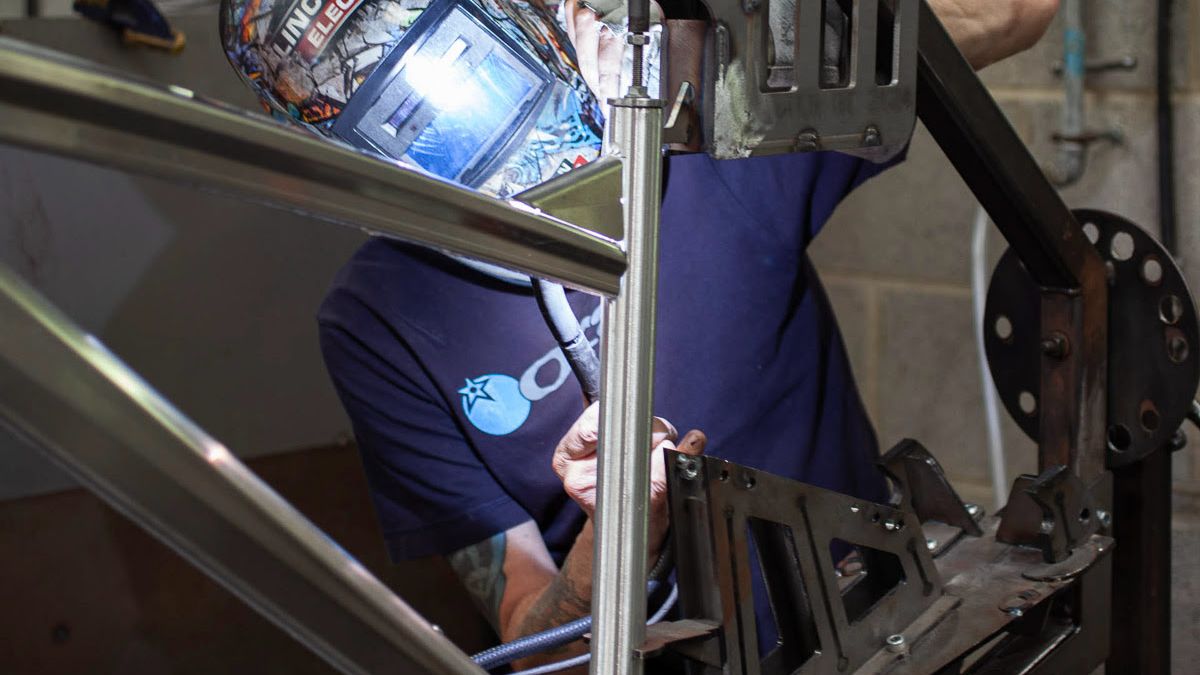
x=802, y=75
x=922, y=487
x=738, y=530
x=1053, y=511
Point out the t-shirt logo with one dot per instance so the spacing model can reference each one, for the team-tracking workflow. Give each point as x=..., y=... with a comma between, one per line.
x=499, y=404
x=494, y=403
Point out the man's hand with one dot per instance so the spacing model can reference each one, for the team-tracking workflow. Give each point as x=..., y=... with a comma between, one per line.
x=575, y=463
x=987, y=31
x=597, y=48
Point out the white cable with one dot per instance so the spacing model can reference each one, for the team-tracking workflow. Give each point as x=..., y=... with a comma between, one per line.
x=666, y=606
x=584, y=658
x=991, y=408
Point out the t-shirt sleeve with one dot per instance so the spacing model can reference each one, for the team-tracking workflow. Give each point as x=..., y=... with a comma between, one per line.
x=795, y=194
x=431, y=492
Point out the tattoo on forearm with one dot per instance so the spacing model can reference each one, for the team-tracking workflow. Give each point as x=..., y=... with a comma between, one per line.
x=481, y=569
x=561, y=602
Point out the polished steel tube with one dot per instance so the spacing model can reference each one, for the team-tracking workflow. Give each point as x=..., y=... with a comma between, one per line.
x=69, y=396
x=54, y=103
x=627, y=393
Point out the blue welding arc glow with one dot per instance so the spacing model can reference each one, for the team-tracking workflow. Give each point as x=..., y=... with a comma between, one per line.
x=470, y=107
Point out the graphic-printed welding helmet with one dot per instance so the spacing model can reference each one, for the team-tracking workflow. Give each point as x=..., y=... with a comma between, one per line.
x=485, y=93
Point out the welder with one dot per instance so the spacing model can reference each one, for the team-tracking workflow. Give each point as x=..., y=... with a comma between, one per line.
x=476, y=443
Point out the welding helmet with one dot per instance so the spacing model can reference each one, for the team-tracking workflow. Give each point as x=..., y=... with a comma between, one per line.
x=485, y=93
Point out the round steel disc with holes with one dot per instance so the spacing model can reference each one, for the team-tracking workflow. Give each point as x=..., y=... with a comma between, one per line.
x=1153, y=342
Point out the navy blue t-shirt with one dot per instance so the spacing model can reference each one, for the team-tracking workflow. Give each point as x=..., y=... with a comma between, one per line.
x=458, y=393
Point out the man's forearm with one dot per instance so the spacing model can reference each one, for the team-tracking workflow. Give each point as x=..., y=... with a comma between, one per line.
x=566, y=597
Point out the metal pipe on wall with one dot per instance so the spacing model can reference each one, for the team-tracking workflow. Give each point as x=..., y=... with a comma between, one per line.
x=68, y=395
x=1072, y=153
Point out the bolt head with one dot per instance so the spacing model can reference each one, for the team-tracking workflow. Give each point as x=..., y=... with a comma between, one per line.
x=807, y=141
x=931, y=544
x=688, y=466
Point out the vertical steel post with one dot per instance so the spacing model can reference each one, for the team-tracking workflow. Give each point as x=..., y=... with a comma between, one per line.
x=627, y=392
x=1141, y=586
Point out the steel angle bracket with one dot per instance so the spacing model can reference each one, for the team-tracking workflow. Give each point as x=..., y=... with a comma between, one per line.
x=792, y=76
x=733, y=524
x=588, y=197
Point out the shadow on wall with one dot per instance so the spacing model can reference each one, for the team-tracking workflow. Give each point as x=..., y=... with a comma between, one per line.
x=87, y=591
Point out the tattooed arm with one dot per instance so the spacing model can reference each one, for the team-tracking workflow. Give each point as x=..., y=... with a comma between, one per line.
x=511, y=575
x=514, y=582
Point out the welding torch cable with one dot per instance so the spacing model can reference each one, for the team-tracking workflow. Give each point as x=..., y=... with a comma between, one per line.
x=571, y=631
x=560, y=319
x=557, y=312
x=666, y=607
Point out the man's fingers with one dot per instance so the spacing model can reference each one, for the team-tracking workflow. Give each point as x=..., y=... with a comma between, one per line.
x=570, y=7
x=587, y=47
x=580, y=440
x=609, y=64
x=693, y=442
x=662, y=430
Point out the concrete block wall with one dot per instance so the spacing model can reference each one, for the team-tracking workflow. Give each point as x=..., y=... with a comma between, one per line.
x=896, y=261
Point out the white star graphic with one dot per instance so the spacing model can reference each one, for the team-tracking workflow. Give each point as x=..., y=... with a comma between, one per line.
x=474, y=390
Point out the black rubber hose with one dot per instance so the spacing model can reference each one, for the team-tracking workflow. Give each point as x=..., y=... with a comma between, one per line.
x=552, y=300
x=1166, y=132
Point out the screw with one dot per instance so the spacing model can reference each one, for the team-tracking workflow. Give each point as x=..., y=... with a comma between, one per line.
x=973, y=510
x=807, y=141
x=931, y=544
x=437, y=629
x=871, y=137
x=1104, y=517
x=855, y=508
x=1056, y=346
x=895, y=644
x=892, y=525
